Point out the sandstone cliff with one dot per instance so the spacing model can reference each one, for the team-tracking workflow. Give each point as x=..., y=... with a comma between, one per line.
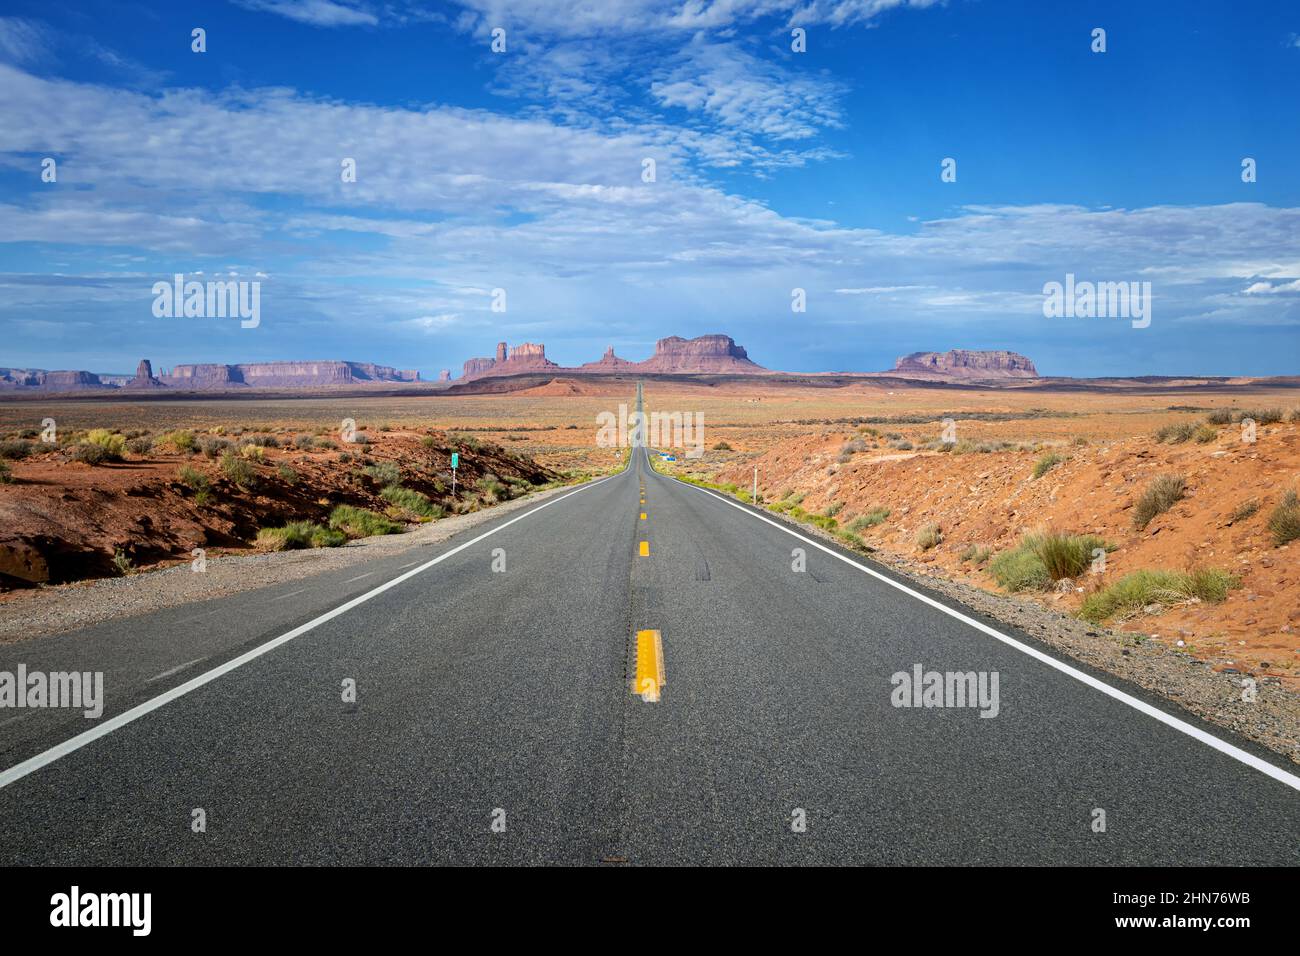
x=966, y=364
x=707, y=353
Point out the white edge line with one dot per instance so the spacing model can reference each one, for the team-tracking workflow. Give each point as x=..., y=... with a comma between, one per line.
x=1236, y=753
x=32, y=764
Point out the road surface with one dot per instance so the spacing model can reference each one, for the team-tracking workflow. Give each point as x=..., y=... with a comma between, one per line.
x=495, y=718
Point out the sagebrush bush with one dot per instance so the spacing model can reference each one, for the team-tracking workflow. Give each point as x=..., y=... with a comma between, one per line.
x=411, y=501
x=1047, y=463
x=15, y=450
x=114, y=445
x=360, y=523
x=1176, y=434
x=1161, y=495
x=869, y=518
x=385, y=473
x=1284, y=522
x=299, y=534
x=182, y=440
x=1140, y=589
x=238, y=470
x=928, y=537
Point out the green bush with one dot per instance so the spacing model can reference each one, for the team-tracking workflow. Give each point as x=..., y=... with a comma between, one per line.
x=238, y=470
x=1047, y=463
x=412, y=502
x=15, y=450
x=1019, y=569
x=140, y=445
x=90, y=454
x=869, y=519
x=385, y=473
x=1138, y=590
x=1284, y=522
x=1205, y=434
x=287, y=475
x=975, y=554
x=360, y=523
x=1159, y=496
x=181, y=439
x=114, y=445
x=299, y=534
x=1176, y=434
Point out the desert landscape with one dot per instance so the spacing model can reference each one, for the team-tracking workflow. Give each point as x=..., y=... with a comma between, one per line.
x=972, y=481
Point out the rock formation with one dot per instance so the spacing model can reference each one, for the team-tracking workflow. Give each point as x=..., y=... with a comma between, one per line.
x=708, y=353
x=609, y=362
x=285, y=374
x=527, y=357
x=444, y=375
x=966, y=365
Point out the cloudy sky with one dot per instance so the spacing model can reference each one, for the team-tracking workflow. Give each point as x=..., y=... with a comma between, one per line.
x=775, y=170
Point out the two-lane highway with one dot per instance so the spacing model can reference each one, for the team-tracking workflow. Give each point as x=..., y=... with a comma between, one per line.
x=497, y=719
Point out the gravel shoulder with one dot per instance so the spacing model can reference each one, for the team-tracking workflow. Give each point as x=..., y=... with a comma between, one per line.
x=57, y=609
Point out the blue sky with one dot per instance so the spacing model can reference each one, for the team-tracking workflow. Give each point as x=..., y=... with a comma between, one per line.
x=775, y=170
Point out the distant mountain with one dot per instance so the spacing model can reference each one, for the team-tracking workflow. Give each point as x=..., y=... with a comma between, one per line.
x=707, y=354
x=964, y=365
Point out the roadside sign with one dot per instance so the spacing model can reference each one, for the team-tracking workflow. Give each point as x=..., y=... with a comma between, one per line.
x=455, y=460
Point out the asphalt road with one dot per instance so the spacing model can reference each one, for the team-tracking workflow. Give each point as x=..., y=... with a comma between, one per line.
x=495, y=719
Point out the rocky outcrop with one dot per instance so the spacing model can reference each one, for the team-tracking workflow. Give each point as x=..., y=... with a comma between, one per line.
x=285, y=374
x=609, y=362
x=444, y=375
x=966, y=364
x=144, y=377
x=707, y=353
x=527, y=357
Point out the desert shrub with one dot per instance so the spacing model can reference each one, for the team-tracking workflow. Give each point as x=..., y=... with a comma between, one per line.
x=411, y=501
x=853, y=446
x=238, y=470
x=212, y=446
x=928, y=537
x=192, y=477
x=492, y=490
x=1159, y=496
x=287, y=475
x=122, y=561
x=89, y=454
x=304, y=441
x=327, y=443
x=428, y=442
x=1244, y=510
x=1063, y=555
x=253, y=453
x=182, y=440
x=1205, y=434
x=6, y=473
x=262, y=441
x=853, y=541
x=902, y=444
x=1176, y=434
x=361, y=438
x=722, y=446
x=140, y=445
x=1079, y=441
x=114, y=445
x=1265, y=416
x=15, y=450
x=1138, y=590
x=1284, y=522
x=976, y=554
x=217, y=430
x=299, y=534
x=869, y=519
x=385, y=473
x=1220, y=416
x=1047, y=463
x=834, y=508
x=1019, y=569
x=360, y=523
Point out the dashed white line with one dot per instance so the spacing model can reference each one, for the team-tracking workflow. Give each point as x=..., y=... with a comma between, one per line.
x=175, y=670
x=359, y=577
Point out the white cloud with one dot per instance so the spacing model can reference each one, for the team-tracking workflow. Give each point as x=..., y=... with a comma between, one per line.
x=318, y=13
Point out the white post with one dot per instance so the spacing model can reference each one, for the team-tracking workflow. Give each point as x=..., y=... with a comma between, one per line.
x=754, y=500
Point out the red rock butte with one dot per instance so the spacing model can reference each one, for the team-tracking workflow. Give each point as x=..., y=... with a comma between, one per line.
x=673, y=355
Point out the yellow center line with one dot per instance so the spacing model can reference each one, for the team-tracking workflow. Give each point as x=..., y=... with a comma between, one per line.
x=643, y=516
x=645, y=549
x=649, y=680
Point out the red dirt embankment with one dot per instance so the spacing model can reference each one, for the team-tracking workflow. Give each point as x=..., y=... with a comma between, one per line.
x=992, y=499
